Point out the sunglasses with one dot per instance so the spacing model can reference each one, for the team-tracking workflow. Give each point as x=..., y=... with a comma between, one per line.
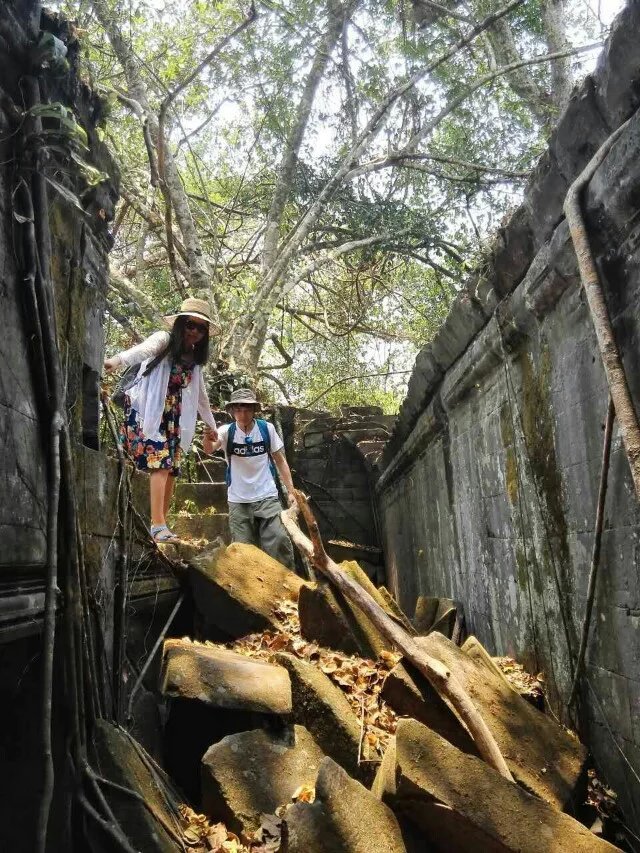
x=192, y=326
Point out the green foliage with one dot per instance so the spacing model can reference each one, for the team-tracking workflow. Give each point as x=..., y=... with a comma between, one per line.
x=361, y=312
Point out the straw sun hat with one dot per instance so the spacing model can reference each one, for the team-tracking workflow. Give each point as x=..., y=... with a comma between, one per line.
x=193, y=308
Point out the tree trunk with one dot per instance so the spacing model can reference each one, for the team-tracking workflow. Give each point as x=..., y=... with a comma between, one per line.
x=555, y=30
x=200, y=274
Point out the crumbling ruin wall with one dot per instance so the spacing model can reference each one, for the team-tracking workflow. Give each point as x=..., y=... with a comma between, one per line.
x=489, y=482
x=80, y=240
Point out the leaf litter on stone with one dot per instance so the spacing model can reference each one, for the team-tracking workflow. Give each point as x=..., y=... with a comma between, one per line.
x=359, y=679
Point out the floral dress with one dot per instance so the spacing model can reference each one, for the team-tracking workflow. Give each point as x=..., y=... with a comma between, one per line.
x=158, y=455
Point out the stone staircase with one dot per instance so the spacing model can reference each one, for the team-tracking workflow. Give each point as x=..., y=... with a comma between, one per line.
x=200, y=509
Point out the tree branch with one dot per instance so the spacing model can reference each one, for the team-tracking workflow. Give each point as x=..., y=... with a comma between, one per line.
x=438, y=675
x=350, y=379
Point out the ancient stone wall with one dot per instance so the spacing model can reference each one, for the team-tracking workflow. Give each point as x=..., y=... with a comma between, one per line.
x=80, y=240
x=334, y=461
x=489, y=482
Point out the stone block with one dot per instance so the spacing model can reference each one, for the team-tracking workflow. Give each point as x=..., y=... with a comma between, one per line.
x=616, y=78
x=344, y=818
x=392, y=607
x=201, y=495
x=119, y=759
x=211, y=469
x=611, y=203
x=435, y=614
x=223, y=679
x=236, y=590
x=200, y=526
x=464, y=321
x=23, y=508
x=512, y=250
x=461, y=804
x=581, y=130
x=541, y=755
x=325, y=712
x=411, y=695
x=545, y=197
x=254, y=773
x=323, y=621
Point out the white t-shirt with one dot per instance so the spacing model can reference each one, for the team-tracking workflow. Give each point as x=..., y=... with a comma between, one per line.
x=251, y=478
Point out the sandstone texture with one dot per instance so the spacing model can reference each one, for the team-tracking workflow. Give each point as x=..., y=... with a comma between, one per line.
x=461, y=804
x=323, y=709
x=255, y=772
x=541, y=755
x=223, y=679
x=236, y=590
x=148, y=823
x=345, y=818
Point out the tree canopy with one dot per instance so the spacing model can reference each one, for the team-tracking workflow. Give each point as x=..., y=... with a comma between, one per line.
x=324, y=173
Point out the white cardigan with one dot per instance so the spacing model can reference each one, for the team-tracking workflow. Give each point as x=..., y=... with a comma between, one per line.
x=148, y=393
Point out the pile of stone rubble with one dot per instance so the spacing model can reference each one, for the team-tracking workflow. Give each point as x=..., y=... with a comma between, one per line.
x=293, y=728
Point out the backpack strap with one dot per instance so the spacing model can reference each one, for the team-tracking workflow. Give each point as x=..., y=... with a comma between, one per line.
x=230, y=436
x=264, y=432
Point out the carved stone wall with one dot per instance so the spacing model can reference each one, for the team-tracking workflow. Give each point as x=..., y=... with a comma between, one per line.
x=489, y=482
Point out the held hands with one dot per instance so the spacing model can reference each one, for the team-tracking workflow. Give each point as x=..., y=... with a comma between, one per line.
x=210, y=438
x=292, y=500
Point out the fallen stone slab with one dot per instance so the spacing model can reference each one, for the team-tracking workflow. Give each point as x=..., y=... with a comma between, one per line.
x=372, y=637
x=474, y=648
x=323, y=710
x=460, y=803
x=330, y=619
x=542, y=756
x=435, y=614
x=323, y=621
x=143, y=812
x=253, y=773
x=236, y=590
x=345, y=818
x=392, y=606
x=411, y=695
x=223, y=679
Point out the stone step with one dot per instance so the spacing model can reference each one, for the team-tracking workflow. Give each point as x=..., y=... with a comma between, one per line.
x=201, y=495
x=203, y=526
x=211, y=469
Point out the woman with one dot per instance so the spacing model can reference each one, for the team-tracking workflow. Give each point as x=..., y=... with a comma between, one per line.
x=162, y=405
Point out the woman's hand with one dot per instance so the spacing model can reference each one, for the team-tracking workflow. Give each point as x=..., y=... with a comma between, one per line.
x=210, y=438
x=111, y=364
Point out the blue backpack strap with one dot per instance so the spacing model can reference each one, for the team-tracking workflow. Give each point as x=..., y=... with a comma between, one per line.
x=264, y=432
x=230, y=436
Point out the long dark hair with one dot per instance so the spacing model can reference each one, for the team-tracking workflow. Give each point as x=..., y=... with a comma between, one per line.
x=173, y=350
